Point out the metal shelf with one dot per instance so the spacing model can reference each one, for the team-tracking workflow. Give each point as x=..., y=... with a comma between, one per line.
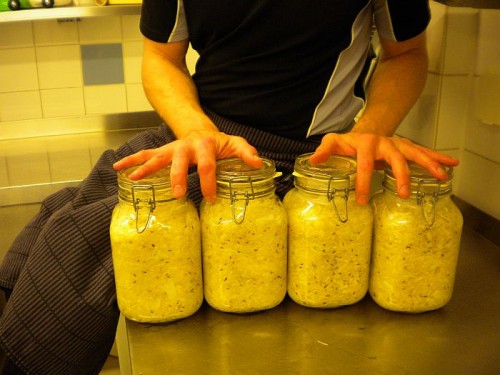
x=69, y=12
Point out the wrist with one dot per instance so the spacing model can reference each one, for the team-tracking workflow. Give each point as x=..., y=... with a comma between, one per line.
x=379, y=126
x=196, y=123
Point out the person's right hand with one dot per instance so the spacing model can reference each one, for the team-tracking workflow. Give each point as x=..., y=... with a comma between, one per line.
x=199, y=147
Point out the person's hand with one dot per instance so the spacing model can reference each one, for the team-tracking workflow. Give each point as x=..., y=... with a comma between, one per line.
x=201, y=148
x=372, y=151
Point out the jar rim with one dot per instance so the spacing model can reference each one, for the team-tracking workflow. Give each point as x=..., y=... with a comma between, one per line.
x=421, y=180
x=153, y=189
x=234, y=168
x=336, y=166
x=419, y=173
x=159, y=177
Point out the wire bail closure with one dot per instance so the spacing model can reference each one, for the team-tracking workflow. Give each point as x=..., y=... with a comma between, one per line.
x=343, y=194
x=428, y=206
x=239, y=211
x=149, y=204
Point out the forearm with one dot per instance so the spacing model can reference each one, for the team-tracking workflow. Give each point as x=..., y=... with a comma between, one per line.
x=171, y=90
x=395, y=87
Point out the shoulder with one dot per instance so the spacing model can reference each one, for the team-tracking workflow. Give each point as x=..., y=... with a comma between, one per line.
x=401, y=20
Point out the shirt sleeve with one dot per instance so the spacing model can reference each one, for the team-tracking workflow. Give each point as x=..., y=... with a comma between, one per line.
x=401, y=20
x=164, y=20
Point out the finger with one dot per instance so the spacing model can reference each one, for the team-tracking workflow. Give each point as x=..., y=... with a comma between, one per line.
x=401, y=171
x=427, y=158
x=134, y=159
x=250, y=155
x=325, y=149
x=178, y=172
x=433, y=161
x=161, y=159
x=365, y=165
x=207, y=165
x=340, y=144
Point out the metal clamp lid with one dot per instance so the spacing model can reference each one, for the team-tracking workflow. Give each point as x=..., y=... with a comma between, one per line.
x=242, y=183
x=335, y=178
x=240, y=196
x=149, y=204
x=343, y=194
x=425, y=188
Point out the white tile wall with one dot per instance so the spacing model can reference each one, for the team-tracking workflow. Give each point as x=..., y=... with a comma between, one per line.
x=136, y=100
x=20, y=34
x=105, y=99
x=41, y=69
x=453, y=111
x=130, y=28
x=132, y=60
x=463, y=45
x=50, y=33
x=191, y=58
x=100, y=30
x=63, y=102
x=460, y=40
x=18, y=70
x=488, y=51
x=479, y=183
x=487, y=87
x=421, y=123
x=22, y=105
x=435, y=37
x=59, y=66
x=483, y=139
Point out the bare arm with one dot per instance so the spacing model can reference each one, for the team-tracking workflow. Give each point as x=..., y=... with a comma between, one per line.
x=396, y=85
x=170, y=88
x=172, y=93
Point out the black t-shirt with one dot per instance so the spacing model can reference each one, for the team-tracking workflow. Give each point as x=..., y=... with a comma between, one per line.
x=285, y=66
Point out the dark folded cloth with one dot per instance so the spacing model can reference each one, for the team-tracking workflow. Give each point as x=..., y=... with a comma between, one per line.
x=62, y=314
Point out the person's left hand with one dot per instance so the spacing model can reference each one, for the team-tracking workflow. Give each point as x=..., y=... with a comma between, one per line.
x=372, y=151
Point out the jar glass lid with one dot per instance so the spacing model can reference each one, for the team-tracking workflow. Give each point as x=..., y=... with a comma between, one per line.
x=337, y=170
x=235, y=169
x=421, y=180
x=335, y=166
x=161, y=176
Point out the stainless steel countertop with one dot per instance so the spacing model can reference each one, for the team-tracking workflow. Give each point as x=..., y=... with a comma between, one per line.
x=461, y=338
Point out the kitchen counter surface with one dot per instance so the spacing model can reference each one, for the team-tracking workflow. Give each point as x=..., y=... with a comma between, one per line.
x=461, y=338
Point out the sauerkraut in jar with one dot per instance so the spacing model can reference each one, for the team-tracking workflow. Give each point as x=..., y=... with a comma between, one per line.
x=416, y=244
x=329, y=235
x=244, y=240
x=156, y=248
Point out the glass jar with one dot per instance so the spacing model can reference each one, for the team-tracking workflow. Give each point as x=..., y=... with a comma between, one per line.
x=244, y=239
x=329, y=234
x=156, y=248
x=416, y=243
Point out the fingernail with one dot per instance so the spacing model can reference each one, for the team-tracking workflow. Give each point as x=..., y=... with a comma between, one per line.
x=211, y=199
x=404, y=191
x=361, y=199
x=178, y=191
x=440, y=170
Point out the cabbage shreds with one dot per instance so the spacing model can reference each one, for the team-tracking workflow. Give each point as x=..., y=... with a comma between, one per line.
x=157, y=272
x=244, y=265
x=328, y=261
x=413, y=264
